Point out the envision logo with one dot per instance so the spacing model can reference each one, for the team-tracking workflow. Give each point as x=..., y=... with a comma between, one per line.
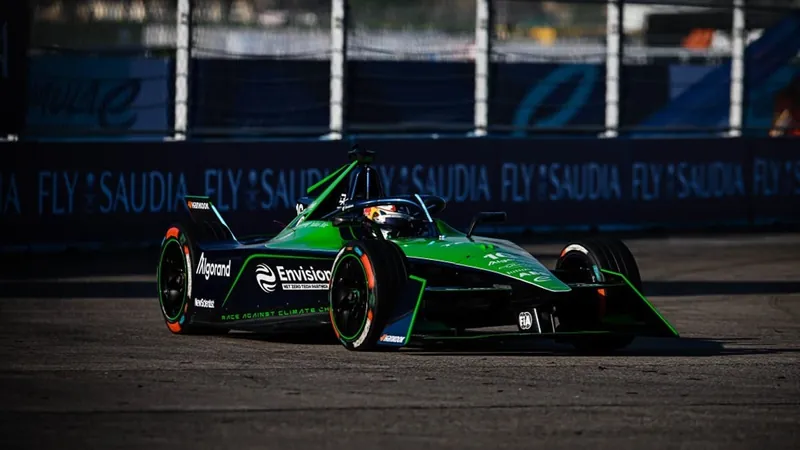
x=299, y=279
x=207, y=269
x=301, y=274
x=265, y=278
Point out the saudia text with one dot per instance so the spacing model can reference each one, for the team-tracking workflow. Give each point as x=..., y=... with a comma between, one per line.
x=112, y=192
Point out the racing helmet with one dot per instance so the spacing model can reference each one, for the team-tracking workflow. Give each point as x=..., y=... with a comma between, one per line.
x=392, y=222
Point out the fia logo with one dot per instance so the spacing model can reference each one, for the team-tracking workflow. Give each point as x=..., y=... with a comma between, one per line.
x=525, y=320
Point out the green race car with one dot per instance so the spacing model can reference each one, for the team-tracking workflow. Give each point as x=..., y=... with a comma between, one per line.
x=385, y=272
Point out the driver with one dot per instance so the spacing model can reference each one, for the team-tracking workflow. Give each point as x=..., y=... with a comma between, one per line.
x=392, y=222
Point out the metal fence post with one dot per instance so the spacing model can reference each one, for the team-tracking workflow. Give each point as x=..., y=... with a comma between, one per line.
x=614, y=10
x=338, y=62
x=4, y=72
x=736, y=113
x=183, y=53
x=483, y=26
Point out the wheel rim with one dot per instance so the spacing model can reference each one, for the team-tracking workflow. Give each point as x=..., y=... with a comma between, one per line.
x=172, y=280
x=349, y=294
x=580, y=266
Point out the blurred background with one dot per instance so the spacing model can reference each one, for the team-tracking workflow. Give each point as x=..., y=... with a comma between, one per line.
x=263, y=68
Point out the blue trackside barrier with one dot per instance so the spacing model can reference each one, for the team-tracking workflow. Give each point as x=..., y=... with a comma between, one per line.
x=109, y=195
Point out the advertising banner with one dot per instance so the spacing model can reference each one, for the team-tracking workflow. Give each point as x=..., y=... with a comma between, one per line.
x=71, y=192
x=126, y=98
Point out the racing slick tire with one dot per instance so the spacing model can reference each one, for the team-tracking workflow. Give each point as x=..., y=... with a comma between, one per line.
x=367, y=276
x=174, y=280
x=582, y=261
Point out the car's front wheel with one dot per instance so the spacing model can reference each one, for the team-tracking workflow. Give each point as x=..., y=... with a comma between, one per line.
x=583, y=262
x=365, y=280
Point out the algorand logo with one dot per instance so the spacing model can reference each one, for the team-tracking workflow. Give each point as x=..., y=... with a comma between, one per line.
x=296, y=279
x=265, y=278
x=207, y=269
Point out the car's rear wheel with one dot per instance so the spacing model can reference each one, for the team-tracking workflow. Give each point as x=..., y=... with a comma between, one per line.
x=366, y=277
x=583, y=262
x=174, y=281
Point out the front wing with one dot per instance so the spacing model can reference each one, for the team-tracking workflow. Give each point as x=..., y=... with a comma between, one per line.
x=628, y=312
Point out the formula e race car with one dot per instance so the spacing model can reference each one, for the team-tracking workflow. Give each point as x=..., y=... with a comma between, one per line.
x=385, y=272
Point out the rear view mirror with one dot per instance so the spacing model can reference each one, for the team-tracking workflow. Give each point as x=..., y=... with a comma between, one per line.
x=347, y=221
x=486, y=217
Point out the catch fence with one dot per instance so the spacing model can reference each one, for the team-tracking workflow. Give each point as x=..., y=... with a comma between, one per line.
x=201, y=69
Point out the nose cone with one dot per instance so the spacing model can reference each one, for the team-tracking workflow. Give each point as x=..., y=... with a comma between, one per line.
x=504, y=260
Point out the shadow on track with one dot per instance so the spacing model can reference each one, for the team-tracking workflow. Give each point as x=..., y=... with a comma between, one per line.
x=700, y=288
x=320, y=336
x=648, y=347
x=641, y=347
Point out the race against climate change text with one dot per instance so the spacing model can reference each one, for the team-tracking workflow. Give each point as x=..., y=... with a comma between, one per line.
x=230, y=189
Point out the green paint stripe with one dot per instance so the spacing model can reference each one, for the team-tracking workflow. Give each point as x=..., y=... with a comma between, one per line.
x=315, y=204
x=416, y=308
x=646, y=301
x=326, y=179
x=264, y=255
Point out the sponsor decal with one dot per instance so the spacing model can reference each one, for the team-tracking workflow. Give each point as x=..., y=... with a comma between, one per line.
x=265, y=278
x=199, y=205
x=515, y=265
x=367, y=326
x=274, y=313
x=295, y=279
x=208, y=269
x=188, y=264
x=575, y=247
x=393, y=339
x=525, y=320
x=203, y=303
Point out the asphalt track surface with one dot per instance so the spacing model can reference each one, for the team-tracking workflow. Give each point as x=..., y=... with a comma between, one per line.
x=86, y=362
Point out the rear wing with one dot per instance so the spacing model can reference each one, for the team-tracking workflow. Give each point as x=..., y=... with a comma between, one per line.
x=209, y=221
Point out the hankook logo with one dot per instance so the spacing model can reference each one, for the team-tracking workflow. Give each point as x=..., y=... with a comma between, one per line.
x=199, y=205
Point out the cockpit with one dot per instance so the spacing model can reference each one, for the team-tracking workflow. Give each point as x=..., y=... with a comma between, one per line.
x=364, y=202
